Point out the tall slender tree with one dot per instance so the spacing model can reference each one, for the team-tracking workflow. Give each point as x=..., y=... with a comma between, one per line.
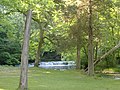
x=23, y=85
x=90, y=41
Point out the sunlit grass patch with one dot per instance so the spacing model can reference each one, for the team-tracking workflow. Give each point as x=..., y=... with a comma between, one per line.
x=42, y=79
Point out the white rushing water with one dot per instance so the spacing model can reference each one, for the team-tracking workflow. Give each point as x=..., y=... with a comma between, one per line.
x=56, y=65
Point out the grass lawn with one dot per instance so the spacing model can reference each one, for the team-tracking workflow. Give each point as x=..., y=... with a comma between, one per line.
x=41, y=79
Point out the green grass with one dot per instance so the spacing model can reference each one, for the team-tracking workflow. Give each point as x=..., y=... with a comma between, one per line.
x=40, y=79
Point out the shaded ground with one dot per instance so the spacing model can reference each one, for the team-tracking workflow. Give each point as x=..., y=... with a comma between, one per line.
x=112, y=73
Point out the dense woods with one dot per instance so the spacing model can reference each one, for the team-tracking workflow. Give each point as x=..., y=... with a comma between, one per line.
x=86, y=31
x=62, y=26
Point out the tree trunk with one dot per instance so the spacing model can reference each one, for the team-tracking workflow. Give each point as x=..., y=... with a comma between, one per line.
x=90, y=42
x=78, y=61
x=39, y=48
x=24, y=57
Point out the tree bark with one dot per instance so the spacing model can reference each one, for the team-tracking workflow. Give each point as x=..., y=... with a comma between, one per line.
x=39, y=47
x=90, y=42
x=23, y=85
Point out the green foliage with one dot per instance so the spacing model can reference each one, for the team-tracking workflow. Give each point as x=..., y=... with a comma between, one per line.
x=9, y=45
x=4, y=58
x=9, y=53
x=65, y=24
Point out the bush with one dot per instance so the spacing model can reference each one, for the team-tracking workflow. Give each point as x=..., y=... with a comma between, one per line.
x=4, y=57
x=7, y=59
